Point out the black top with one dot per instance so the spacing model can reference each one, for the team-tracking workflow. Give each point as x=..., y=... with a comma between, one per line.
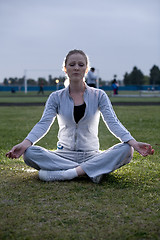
x=79, y=112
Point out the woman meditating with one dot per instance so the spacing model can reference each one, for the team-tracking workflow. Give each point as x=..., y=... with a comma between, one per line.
x=78, y=108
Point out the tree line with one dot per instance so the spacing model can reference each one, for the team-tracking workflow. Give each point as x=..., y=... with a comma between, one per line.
x=135, y=77
x=41, y=80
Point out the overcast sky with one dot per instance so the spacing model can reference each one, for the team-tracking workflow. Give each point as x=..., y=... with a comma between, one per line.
x=116, y=34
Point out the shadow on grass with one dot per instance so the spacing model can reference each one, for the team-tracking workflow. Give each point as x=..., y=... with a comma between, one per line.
x=23, y=174
x=134, y=175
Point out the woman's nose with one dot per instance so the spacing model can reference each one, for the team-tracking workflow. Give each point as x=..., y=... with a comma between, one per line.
x=76, y=66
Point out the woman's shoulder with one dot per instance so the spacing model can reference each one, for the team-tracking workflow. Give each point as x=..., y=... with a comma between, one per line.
x=96, y=91
x=57, y=92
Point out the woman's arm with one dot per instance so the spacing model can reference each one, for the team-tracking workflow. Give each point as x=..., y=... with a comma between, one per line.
x=38, y=131
x=117, y=129
x=47, y=119
x=111, y=120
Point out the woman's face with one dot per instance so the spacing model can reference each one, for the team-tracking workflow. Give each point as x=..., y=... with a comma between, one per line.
x=76, y=67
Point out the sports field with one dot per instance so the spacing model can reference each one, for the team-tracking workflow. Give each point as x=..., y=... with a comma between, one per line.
x=123, y=96
x=126, y=205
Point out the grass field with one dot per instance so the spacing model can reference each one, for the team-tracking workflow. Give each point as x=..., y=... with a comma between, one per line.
x=124, y=206
x=21, y=97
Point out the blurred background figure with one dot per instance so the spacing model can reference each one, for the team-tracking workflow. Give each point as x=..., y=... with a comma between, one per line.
x=91, y=78
x=115, y=87
x=41, y=88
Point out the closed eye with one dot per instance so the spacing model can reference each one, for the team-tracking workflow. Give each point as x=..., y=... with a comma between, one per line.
x=81, y=64
x=72, y=64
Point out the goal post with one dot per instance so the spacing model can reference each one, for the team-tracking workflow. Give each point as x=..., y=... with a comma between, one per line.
x=49, y=71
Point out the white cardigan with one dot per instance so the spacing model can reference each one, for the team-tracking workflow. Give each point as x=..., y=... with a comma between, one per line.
x=81, y=136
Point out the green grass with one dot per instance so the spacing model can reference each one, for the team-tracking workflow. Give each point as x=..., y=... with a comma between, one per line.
x=31, y=99
x=22, y=93
x=124, y=206
x=135, y=99
x=34, y=97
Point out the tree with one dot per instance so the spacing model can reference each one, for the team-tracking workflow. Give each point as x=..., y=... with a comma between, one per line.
x=31, y=82
x=50, y=80
x=14, y=81
x=42, y=81
x=155, y=75
x=21, y=81
x=136, y=77
x=102, y=82
x=5, y=81
x=126, y=79
x=146, y=80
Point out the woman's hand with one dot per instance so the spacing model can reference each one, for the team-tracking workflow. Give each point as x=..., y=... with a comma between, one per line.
x=18, y=149
x=144, y=149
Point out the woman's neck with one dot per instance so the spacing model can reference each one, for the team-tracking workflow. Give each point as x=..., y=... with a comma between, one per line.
x=76, y=92
x=77, y=87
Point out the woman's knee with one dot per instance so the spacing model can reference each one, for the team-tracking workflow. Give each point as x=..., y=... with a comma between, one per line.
x=129, y=149
x=28, y=157
x=28, y=153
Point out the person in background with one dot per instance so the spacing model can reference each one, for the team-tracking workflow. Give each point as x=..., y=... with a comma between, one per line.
x=91, y=78
x=78, y=108
x=115, y=87
x=41, y=90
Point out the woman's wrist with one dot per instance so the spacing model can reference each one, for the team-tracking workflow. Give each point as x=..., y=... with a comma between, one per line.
x=26, y=143
x=132, y=142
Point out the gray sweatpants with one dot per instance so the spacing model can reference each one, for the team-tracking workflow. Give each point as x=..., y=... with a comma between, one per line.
x=94, y=163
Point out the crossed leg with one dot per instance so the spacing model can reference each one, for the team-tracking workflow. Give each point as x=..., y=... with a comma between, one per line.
x=55, y=167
